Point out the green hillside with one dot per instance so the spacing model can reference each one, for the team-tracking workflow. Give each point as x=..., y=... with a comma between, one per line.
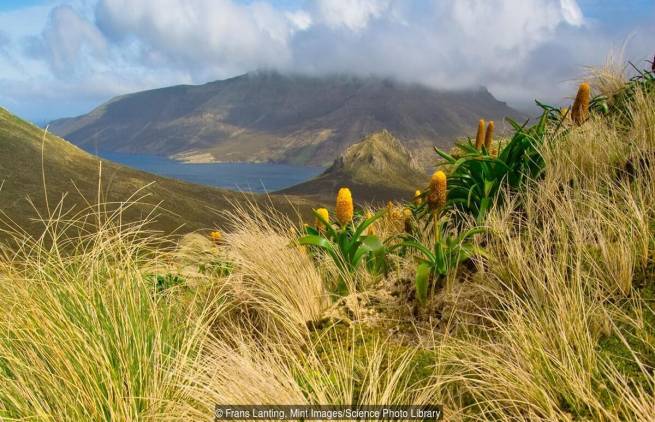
x=377, y=169
x=25, y=160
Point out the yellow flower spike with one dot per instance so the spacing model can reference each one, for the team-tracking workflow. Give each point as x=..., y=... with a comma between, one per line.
x=438, y=190
x=417, y=197
x=325, y=215
x=344, y=208
x=442, y=188
x=216, y=236
x=479, y=137
x=489, y=135
x=580, y=109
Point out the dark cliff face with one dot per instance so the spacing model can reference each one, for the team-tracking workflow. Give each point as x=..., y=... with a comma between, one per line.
x=267, y=116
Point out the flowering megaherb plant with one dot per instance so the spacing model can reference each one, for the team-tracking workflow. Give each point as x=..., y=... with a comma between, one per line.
x=347, y=241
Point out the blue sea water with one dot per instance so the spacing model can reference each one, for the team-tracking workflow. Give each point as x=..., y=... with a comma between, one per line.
x=247, y=177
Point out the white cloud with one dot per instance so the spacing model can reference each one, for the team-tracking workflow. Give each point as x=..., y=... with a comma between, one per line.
x=300, y=19
x=351, y=14
x=70, y=42
x=216, y=34
x=502, y=29
x=448, y=44
x=572, y=13
x=93, y=49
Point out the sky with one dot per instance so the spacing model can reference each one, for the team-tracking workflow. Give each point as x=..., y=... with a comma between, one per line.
x=64, y=57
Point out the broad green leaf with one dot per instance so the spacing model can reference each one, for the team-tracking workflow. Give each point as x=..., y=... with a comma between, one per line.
x=445, y=155
x=315, y=240
x=419, y=247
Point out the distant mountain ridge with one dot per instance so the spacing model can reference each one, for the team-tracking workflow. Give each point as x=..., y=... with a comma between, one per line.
x=377, y=169
x=270, y=117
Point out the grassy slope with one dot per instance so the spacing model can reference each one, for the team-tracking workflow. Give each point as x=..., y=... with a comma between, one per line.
x=68, y=169
x=376, y=169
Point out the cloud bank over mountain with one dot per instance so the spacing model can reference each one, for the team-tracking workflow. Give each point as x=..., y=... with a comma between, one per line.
x=73, y=54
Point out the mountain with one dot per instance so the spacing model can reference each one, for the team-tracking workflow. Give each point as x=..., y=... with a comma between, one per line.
x=271, y=117
x=377, y=169
x=27, y=158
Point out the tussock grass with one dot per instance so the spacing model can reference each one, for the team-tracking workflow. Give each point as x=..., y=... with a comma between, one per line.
x=325, y=371
x=611, y=76
x=564, y=262
x=274, y=274
x=85, y=336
